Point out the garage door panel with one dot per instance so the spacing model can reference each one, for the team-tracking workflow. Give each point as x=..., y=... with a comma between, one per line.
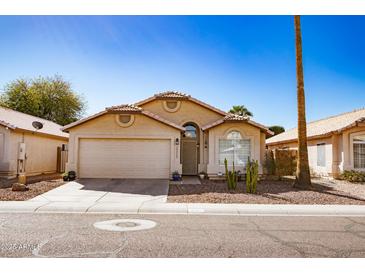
x=124, y=158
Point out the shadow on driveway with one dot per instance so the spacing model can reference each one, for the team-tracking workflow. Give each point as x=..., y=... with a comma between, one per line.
x=152, y=187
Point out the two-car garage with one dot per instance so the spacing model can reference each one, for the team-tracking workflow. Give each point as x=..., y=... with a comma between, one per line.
x=124, y=158
x=124, y=142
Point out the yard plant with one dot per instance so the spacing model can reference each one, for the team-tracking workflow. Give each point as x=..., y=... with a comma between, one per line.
x=252, y=175
x=353, y=176
x=231, y=176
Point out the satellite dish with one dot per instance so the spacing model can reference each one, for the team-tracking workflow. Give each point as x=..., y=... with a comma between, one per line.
x=37, y=125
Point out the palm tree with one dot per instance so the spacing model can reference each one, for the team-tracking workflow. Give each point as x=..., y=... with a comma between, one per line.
x=240, y=110
x=303, y=179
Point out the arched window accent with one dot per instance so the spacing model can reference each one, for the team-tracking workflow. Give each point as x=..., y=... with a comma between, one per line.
x=235, y=149
x=171, y=105
x=190, y=131
x=234, y=135
x=125, y=120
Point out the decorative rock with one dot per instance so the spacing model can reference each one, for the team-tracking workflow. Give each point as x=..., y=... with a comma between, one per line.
x=19, y=187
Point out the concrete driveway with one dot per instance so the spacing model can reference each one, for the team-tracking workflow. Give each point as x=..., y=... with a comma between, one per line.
x=91, y=192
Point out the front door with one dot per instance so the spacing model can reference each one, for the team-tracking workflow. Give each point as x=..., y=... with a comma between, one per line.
x=189, y=153
x=189, y=149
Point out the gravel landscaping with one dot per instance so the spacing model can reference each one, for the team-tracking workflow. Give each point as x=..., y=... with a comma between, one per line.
x=35, y=189
x=268, y=192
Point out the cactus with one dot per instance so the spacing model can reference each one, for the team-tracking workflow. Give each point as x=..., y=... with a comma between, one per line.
x=252, y=174
x=248, y=177
x=231, y=176
x=255, y=175
x=234, y=177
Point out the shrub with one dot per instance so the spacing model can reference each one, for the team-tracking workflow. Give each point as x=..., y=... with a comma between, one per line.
x=353, y=176
x=285, y=162
x=252, y=175
x=269, y=163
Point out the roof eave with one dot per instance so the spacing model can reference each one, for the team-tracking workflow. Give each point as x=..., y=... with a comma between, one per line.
x=161, y=120
x=221, y=121
x=5, y=124
x=81, y=121
x=187, y=98
x=358, y=122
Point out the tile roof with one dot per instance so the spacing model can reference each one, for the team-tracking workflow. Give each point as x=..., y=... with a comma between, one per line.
x=162, y=120
x=124, y=107
x=237, y=118
x=18, y=120
x=323, y=127
x=128, y=108
x=180, y=95
x=172, y=94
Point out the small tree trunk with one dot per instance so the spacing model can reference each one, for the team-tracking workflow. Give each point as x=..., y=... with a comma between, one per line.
x=303, y=179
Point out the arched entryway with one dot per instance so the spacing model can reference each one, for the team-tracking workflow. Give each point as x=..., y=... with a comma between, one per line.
x=190, y=149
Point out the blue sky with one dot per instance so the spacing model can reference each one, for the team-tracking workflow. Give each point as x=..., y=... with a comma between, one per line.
x=222, y=60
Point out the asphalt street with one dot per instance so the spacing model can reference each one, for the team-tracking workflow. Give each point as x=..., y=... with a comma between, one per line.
x=74, y=235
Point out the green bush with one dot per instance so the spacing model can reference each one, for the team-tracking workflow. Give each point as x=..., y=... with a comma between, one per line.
x=252, y=175
x=353, y=176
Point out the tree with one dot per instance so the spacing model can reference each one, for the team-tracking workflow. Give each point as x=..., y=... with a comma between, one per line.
x=51, y=98
x=303, y=179
x=277, y=129
x=240, y=110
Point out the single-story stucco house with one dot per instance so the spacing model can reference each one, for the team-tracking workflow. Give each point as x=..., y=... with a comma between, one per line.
x=167, y=132
x=335, y=144
x=28, y=144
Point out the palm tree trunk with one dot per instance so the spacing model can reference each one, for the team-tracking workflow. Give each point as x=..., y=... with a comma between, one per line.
x=303, y=179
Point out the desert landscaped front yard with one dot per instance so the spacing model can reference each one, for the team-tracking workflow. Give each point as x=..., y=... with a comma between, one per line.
x=269, y=192
x=35, y=189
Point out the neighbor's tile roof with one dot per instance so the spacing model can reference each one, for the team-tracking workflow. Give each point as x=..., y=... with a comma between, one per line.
x=323, y=127
x=18, y=120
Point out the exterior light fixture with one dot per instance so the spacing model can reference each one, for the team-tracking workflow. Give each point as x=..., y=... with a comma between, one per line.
x=177, y=141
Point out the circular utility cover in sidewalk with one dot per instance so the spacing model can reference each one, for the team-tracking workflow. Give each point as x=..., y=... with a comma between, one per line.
x=125, y=225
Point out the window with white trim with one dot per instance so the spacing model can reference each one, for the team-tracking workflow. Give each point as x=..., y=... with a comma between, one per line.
x=359, y=151
x=234, y=148
x=321, y=155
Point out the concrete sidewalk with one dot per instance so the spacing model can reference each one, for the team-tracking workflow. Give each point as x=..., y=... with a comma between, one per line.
x=150, y=207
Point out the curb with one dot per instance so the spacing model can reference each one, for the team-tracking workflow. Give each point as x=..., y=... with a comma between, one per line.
x=183, y=208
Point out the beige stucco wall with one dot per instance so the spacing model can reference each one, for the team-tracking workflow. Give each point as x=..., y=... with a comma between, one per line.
x=41, y=152
x=339, y=152
x=106, y=126
x=188, y=112
x=220, y=132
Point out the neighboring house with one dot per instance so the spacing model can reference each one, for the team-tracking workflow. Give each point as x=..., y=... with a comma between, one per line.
x=335, y=144
x=24, y=148
x=167, y=132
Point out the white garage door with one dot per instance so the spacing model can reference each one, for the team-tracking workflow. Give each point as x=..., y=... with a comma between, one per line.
x=124, y=158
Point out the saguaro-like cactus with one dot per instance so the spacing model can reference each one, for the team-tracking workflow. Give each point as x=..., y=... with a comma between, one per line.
x=252, y=174
x=231, y=176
